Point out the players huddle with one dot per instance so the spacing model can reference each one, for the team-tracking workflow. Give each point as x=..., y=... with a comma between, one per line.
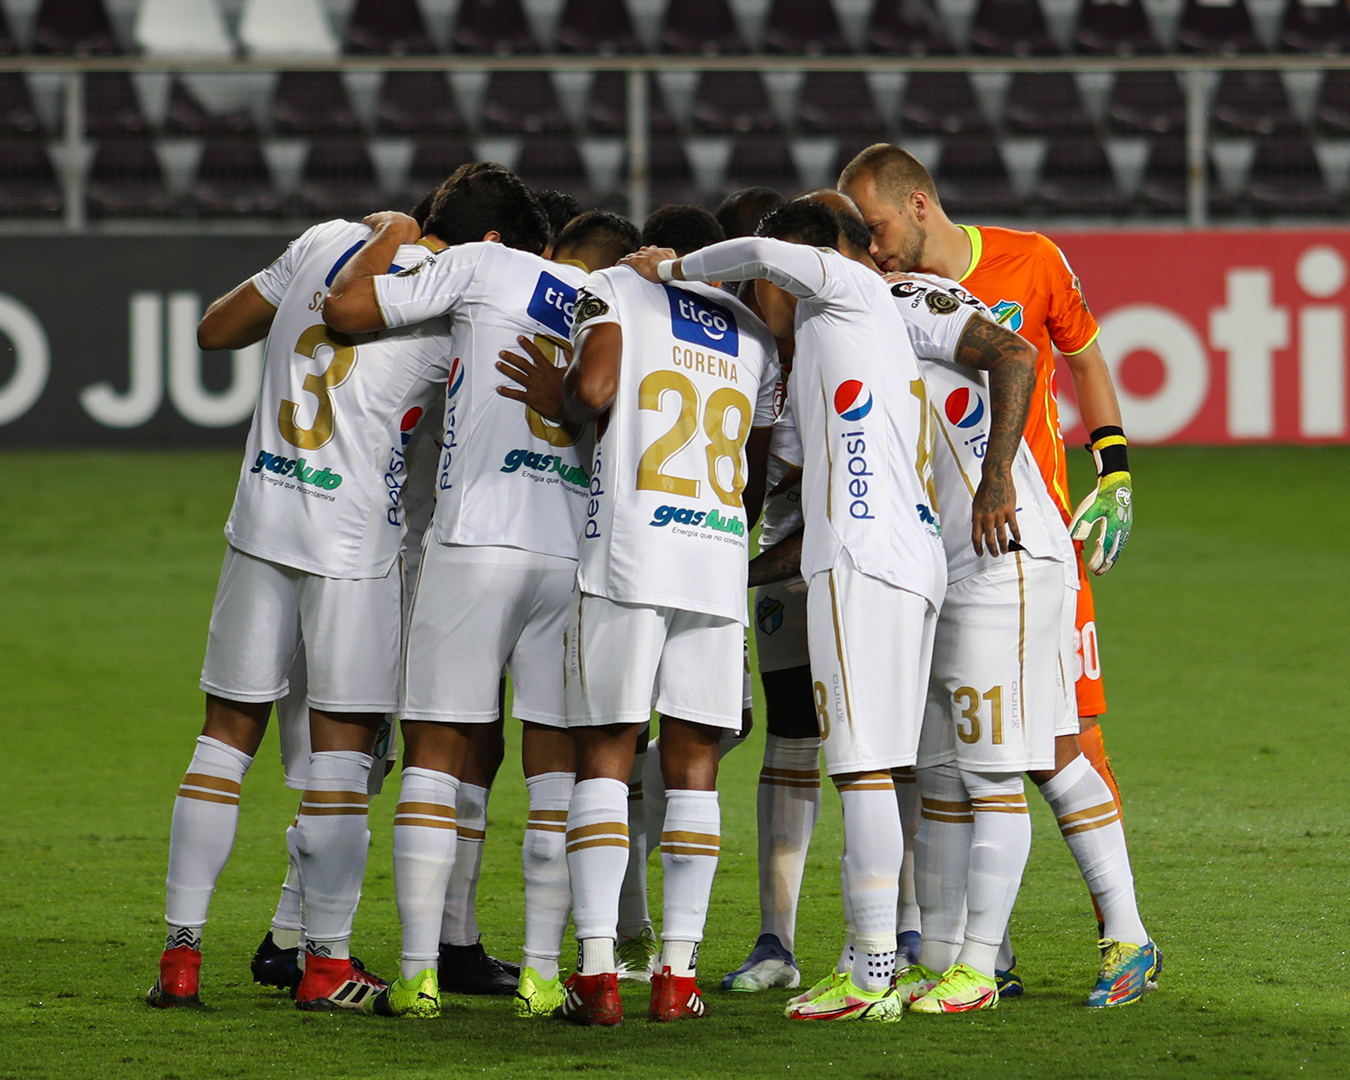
x=486, y=443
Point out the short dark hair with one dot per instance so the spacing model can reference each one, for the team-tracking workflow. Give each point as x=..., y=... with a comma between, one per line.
x=803, y=221
x=682, y=227
x=559, y=208
x=422, y=210
x=484, y=197
x=608, y=236
x=897, y=173
x=742, y=211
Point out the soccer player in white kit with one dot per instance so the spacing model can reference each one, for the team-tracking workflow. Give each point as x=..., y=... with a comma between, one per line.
x=314, y=538
x=511, y=501
x=871, y=555
x=684, y=378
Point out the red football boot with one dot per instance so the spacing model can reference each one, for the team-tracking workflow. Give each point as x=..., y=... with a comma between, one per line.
x=179, y=972
x=329, y=984
x=592, y=999
x=675, y=997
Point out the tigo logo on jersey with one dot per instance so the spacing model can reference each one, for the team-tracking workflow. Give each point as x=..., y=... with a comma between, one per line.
x=964, y=408
x=552, y=304
x=700, y=321
x=1008, y=313
x=852, y=400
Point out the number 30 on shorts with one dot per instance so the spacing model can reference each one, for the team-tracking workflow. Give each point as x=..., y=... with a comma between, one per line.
x=969, y=702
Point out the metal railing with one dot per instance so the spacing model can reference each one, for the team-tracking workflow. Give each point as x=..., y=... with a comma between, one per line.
x=1196, y=72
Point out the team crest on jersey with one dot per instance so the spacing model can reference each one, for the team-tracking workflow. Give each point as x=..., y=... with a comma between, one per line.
x=588, y=307
x=769, y=615
x=1008, y=313
x=552, y=304
x=703, y=322
x=852, y=400
x=964, y=408
x=941, y=303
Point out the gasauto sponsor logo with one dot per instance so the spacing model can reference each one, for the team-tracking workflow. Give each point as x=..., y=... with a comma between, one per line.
x=296, y=469
x=712, y=520
x=545, y=464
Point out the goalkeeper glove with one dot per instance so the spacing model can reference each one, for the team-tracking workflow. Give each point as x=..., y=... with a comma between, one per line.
x=1102, y=521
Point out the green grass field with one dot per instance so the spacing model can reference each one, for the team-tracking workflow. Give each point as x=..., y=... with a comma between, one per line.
x=1225, y=644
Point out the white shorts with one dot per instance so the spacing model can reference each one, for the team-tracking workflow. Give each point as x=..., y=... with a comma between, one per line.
x=262, y=612
x=996, y=695
x=780, y=625
x=480, y=611
x=623, y=660
x=1067, y=723
x=871, y=645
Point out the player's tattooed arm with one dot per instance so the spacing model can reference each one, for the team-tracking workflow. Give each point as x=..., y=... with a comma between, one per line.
x=778, y=563
x=351, y=306
x=540, y=382
x=1011, y=363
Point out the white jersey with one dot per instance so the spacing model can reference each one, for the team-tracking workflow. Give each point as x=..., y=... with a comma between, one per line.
x=861, y=407
x=960, y=402
x=322, y=480
x=666, y=526
x=782, y=509
x=507, y=477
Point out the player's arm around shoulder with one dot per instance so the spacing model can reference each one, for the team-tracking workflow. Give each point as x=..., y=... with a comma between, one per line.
x=351, y=306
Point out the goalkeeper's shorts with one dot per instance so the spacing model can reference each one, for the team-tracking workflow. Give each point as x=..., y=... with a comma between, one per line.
x=1087, y=657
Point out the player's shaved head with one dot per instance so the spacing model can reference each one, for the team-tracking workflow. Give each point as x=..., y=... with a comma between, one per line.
x=853, y=233
x=483, y=197
x=896, y=173
x=681, y=227
x=742, y=211
x=596, y=239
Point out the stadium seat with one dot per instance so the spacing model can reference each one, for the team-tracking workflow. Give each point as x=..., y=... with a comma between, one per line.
x=417, y=101
x=837, y=101
x=1047, y=102
x=8, y=46
x=804, y=27
x=607, y=105
x=287, y=28
x=28, y=185
x=908, y=28
x=1287, y=179
x=388, y=28
x=1114, y=28
x=1316, y=26
x=553, y=162
x=1011, y=28
x=74, y=27
x=972, y=178
x=493, y=27
x=126, y=180
x=185, y=115
x=1162, y=189
x=339, y=179
x=733, y=101
x=942, y=102
x=602, y=27
x=762, y=161
x=1149, y=101
x=435, y=159
x=1076, y=178
x=312, y=102
x=1217, y=26
x=1252, y=103
x=16, y=105
x=1333, y=103
x=523, y=101
x=701, y=28
x=111, y=104
x=233, y=178
x=182, y=28
x=669, y=173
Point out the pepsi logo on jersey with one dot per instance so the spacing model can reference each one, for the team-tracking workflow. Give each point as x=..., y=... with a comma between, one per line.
x=852, y=400
x=701, y=321
x=964, y=408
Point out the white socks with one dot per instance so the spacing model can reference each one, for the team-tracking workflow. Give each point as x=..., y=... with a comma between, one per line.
x=459, y=926
x=941, y=862
x=548, y=893
x=690, y=844
x=205, y=816
x=998, y=854
x=288, y=928
x=1090, y=822
x=873, y=851
x=787, y=807
x=634, y=916
x=907, y=917
x=424, y=855
x=597, y=855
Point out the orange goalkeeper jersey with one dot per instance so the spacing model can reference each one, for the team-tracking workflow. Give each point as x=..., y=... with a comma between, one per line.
x=1027, y=282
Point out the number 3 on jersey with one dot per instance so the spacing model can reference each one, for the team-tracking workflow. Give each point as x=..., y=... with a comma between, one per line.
x=721, y=446
x=559, y=354
x=321, y=386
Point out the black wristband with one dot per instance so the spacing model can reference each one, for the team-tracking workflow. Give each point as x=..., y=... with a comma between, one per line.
x=1113, y=457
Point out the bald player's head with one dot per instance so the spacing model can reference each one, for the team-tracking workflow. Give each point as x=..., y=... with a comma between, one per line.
x=742, y=211
x=898, y=201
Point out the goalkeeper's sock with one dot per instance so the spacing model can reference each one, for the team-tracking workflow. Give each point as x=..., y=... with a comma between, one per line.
x=1094, y=749
x=459, y=923
x=205, y=817
x=1090, y=823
